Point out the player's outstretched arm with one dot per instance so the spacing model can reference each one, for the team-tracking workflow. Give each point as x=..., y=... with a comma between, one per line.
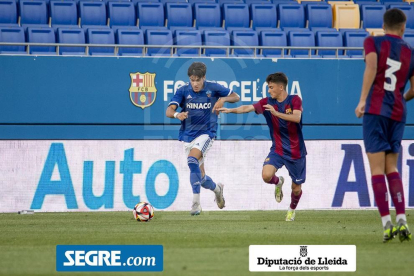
x=172, y=113
x=238, y=110
x=369, y=77
x=409, y=95
x=232, y=98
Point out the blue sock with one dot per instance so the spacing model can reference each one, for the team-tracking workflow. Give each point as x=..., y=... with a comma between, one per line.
x=208, y=183
x=195, y=174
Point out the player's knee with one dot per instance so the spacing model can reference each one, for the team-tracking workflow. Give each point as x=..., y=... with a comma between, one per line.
x=192, y=162
x=296, y=189
x=267, y=177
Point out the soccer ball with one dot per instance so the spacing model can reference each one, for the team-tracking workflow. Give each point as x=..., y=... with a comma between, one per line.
x=143, y=211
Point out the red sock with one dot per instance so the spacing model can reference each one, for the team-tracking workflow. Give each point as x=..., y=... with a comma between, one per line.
x=380, y=194
x=274, y=180
x=294, y=200
x=397, y=192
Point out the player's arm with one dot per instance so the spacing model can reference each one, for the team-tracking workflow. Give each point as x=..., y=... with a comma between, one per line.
x=172, y=113
x=409, y=95
x=294, y=117
x=238, y=110
x=232, y=98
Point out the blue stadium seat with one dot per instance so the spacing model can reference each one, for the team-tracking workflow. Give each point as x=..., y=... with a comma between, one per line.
x=100, y=36
x=63, y=13
x=179, y=15
x=263, y=16
x=323, y=29
x=207, y=15
x=409, y=37
x=92, y=13
x=173, y=1
x=409, y=12
x=107, y=1
x=144, y=1
x=12, y=34
x=8, y=12
x=250, y=2
x=222, y=2
x=371, y=16
x=33, y=12
x=355, y=39
x=188, y=38
x=291, y=16
x=130, y=36
x=121, y=14
x=301, y=39
x=247, y=39
x=41, y=35
x=275, y=39
x=71, y=36
x=151, y=15
x=158, y=37
x=236, y=15
x=216, y=38
x=329, y=39
x=319, y=16
x=201, y=1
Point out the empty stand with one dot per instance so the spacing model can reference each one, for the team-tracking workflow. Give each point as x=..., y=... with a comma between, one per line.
x=33, y=12
x=346, y=16
x=179, y=15
x=207, y=15
x=263, y=16
x=247, y=39
x=291, y=15
x=409, y=37
x=63, y=13
x=301, y=39
x=188, y=38
x=12, y=34
x=329, y=39
x=355, y=39
x=8, y=12
x=158, y=37
x=372, y=16
x=236, y=15
x=41, y=35
x=121, y=14
x=71, y=36
x=92, y=13
x=319, y=16
x=274, y=39
x=216, y=38
x=130, y=36
x=100, y=36
x=151, y=15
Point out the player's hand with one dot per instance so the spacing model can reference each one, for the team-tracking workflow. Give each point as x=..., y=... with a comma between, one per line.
x=360, y=109
x=270, y=108
x=182, y=116
x=224, y=110
x=219, y=104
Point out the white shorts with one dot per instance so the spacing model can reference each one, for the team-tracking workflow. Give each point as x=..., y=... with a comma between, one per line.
x=203, y=143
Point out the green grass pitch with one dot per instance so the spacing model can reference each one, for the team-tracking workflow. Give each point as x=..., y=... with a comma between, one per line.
x=214, y=243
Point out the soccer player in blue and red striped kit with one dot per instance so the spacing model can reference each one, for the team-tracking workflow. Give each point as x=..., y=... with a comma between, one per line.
x=283, y=115
x=389, y=65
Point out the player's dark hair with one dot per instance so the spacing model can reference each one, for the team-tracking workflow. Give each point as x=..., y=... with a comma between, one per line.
x=394, y=19
x=197, y=69
x=278, y=77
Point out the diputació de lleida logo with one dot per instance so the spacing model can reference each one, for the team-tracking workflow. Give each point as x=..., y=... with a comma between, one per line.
x=142, y=91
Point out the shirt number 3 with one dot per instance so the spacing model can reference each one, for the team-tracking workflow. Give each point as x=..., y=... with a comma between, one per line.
x=390, y=73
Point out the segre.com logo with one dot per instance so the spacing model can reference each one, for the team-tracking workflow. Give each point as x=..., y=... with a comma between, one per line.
x=109, y=258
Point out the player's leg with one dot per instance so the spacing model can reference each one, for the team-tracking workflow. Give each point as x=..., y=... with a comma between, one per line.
x=270, y=165
x=297, y=171
x=195, y=179
x=208, y=183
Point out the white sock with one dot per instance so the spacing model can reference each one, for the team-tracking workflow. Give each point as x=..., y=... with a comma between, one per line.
x=385, y=219
x=289, y=209
x=216, y=189
x=196, y=198
x=401, y=217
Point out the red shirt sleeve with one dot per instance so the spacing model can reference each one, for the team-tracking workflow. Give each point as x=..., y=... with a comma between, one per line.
x=259, y=109
x=297, y=103
x=369, y=45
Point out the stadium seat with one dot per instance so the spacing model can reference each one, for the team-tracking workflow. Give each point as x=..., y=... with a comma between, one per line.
x=263, y=16
x=173, y=1
x=355, y=39
x=222, y=2
x=329, y=39
x=144, y=1
x=100, y=36
x=158, y=37
x=121, y=14
x=372, y=15
x=319, y=16
x=207, y=15
x=151, y=15
x=236, y=16
x=188, y=38
x=291, y=16
x=247, y=39
x=216, y=38
x=346, y=16
x=71, y=36
x=251, y=2
x=409, y=37
x=376, y=32
x=201, y=1
x=63, y=13
x=130, y=36
x=33, y=12
x=301, y=39
x=274, y=39
x=12, y=34
x=409, y=12
x=41, y=35
x=92, y=13
x=179, y=15
x=8, y=12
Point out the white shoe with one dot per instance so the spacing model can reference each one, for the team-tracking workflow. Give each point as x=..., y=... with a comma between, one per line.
x=195, y=209
x=290, y=216
x=219, y=196
x=278, y=190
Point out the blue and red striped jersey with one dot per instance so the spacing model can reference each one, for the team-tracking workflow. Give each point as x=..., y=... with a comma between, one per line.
x=394, y=68
x=287, y=137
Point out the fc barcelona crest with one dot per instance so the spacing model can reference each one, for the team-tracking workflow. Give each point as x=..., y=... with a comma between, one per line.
x=142, y=91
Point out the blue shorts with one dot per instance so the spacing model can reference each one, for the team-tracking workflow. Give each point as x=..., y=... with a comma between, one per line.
x=296, y=168
x=382, y=134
